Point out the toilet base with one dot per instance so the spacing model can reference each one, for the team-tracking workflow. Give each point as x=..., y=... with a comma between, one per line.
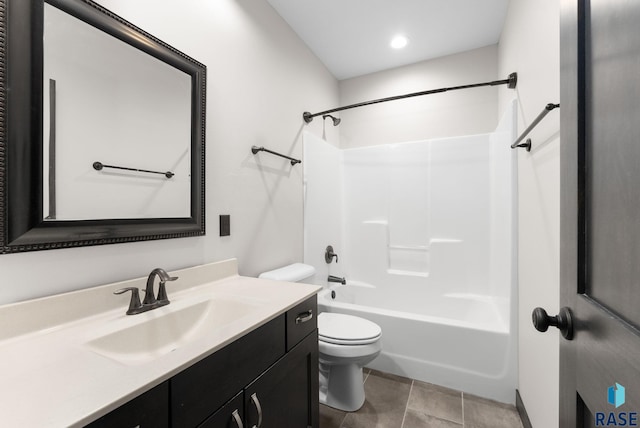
x=342, y=386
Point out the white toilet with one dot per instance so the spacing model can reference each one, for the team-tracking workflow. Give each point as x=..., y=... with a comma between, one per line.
x=346, y=344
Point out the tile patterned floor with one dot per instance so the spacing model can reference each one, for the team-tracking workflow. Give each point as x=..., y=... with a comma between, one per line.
x=398, y=402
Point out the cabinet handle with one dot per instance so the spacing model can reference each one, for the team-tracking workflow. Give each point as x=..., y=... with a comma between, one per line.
x=304, y=317
x=236, y=418
x=256, y=402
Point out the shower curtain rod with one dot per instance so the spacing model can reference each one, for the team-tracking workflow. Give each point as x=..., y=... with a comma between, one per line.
x=511, y=82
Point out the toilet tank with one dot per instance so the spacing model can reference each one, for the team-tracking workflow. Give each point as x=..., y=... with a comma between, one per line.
x=293, y=273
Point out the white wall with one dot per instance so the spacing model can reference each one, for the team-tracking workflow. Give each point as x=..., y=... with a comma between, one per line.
x=450, y=114
x=530, y=46
x=260, y=79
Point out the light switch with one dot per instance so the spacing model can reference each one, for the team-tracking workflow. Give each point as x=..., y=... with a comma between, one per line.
x=225, y=225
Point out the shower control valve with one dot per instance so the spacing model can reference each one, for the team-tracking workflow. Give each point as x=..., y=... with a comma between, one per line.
x=329, y=255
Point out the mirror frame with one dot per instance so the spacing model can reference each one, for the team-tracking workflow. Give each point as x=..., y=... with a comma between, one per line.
x=22, y=227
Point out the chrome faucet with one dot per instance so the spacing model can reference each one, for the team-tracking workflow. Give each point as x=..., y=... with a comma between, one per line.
x=150, y=301
x=337, y=279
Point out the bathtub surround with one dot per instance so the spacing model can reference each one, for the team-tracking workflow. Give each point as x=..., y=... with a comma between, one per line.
x=323, y=223
x=427, y=251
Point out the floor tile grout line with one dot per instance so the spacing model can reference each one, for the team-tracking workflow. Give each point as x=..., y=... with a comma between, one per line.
x=344, y=418
x=464, y=423
x=406, y=407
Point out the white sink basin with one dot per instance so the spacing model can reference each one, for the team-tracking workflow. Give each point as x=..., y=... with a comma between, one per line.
x=166, y=330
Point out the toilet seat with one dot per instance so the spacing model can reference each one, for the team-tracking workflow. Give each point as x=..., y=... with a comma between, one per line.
x=342, y=329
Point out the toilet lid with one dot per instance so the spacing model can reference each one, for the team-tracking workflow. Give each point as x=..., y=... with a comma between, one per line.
x=345, y=329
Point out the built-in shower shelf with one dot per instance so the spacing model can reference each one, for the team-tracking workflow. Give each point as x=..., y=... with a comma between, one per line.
x=410, y=247
x=445, y=241
x=383, y=222
x=408, y=273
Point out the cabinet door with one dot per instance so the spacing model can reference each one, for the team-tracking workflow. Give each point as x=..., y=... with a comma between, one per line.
x=200, y=390
x=231, y=415
x=149, y=410
x=286, y=395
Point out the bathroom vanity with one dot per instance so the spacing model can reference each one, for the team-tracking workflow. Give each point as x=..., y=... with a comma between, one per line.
x=269, y=375
x=229, y=351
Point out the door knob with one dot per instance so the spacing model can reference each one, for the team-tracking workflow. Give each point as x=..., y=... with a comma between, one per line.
x=563, y=321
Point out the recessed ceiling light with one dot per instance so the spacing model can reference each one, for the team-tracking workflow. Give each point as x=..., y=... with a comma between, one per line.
x=399, y=41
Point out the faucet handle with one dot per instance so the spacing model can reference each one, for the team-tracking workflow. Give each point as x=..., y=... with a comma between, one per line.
x=162, y=294
x=329, y=255
x=134, y=303
x=162, y=291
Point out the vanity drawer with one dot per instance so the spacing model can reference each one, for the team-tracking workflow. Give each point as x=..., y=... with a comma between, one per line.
x=301, y=320
x=198, y=391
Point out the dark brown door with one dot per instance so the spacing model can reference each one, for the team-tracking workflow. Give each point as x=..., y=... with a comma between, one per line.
x=600, y=212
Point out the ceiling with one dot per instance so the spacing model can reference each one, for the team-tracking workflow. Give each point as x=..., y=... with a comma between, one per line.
x=352, y=37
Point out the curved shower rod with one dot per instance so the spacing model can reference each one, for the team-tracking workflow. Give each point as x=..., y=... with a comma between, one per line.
x=511, y=82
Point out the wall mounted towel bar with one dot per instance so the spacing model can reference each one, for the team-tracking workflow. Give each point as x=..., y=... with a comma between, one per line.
x=527, y=144
x=256, y=149
x=99, y=165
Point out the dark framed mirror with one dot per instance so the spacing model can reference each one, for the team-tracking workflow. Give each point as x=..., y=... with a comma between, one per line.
x=102, y=130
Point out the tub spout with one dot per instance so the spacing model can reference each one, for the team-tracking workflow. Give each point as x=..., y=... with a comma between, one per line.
x=337, y=279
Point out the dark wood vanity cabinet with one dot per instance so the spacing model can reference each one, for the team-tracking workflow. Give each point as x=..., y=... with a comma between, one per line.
x=284, y=396
x=149, y=410
x=267, y=378
x=288, y=392
x=269, y=375
x=231, y=415
x=198, y=391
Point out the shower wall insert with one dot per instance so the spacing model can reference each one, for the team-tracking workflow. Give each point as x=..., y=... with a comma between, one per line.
x=427, y=247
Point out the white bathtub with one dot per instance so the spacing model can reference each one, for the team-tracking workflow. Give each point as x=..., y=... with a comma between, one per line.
x=458, y=340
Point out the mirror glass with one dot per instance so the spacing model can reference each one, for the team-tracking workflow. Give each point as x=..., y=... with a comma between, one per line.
x=108, y=102
x=102, y=130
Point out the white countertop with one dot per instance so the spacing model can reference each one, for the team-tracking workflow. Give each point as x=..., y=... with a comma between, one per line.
x=49, y=377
